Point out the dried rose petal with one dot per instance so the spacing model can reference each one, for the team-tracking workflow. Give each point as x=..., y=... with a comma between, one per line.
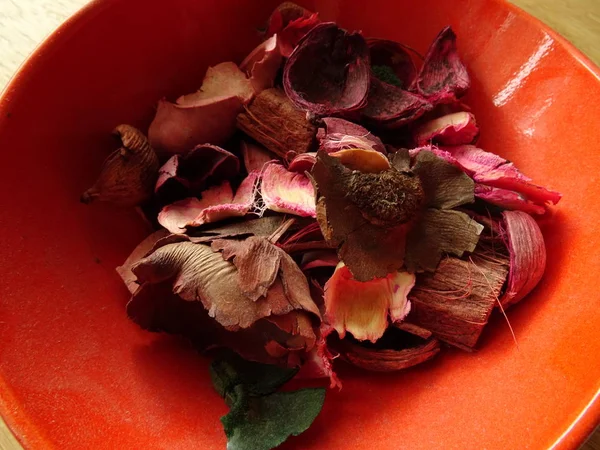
x=138, y=253
x=318, y=363
x=255, y=157
x=456, y=300
x=285, y=13
x=388, y=360
x=293, y=33
x=287, y=192
x=319, y=258
x=443, y=77
x=525, y=243
x=362, y=308
x=339, y=134
x=389, y=107
x=452, y=129
x=189, y=174
x=328, y=72
x=507, y=199
x=394, y=55
x=262, y=64
x=303, y=163
x=208, y=115
x=217, y=203
x=128, y=174
x=493, y=170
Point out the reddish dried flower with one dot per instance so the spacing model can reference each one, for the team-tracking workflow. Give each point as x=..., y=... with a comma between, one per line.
x=328, y=72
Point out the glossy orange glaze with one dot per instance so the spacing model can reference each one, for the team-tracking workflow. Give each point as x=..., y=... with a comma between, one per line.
x=76, y=373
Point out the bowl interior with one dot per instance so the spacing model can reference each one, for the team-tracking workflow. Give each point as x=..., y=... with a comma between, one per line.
x=76, y=373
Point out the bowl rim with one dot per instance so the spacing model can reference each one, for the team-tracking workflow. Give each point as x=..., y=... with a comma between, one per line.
x=589, y=417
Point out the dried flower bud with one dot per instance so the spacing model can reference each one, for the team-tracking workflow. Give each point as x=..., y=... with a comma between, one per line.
x=128, y=175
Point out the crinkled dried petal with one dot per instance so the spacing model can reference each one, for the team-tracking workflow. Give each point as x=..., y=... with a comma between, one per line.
x=287, y=192
x=303, y=163
x=527, y=250
x=369, y=251
x=318, y=363
x=339, y=134
x=128, y=174
x=445, y=186
x=190, y=174
x=293, y=33
x=507, y=199
x=223, y=80
x=362, y=308
x=389, y=107
x=328, y=72
x=265, y=226
x=255, y=156
x=456, y=300
x=439, y=232
x=388, y=360
x=364, y=160
x=452, y=129
x=285, y=13
x=262, y=64
x=395, y=56
x=443, y=77
x=138, y=253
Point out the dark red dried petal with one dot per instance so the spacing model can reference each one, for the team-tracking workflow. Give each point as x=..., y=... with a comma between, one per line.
x=294, y=31
x=443, y=77
x=328, y=72
x=507, y=199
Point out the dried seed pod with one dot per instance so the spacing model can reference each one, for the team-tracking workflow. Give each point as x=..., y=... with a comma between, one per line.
x=128, y=174
x=273, y=121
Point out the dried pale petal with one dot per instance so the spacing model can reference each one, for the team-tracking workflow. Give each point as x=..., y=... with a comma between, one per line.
x=364, y=160
x=389, y=107
x=507, y=199
x=455, y=301
x=262, y=64
x=255, y=156
x=287, y=192
x=388, y=360
x=328, y=72
x=223, y=80
x=128, y=174
x=179, y=128
x=338, y=134
x=395, y=56
x=191, y=173
x=303, y=163
x=443, y=77
x=525, y=244
x=362, y=308
x=452, y=129
x=445, y=186
x=138, y=253
x=439, y=232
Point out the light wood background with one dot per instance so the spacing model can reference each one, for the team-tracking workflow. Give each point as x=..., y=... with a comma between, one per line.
x=25, y=23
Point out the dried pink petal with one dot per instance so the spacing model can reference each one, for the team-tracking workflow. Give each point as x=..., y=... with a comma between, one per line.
x=318, y=363
x=303, y=162
x=507, y=199
x=217, y=203
x=294, y=31
x=394, y=55
x=287, y=192
x=285, y=13
x=328, y=72
x=255, y=156
x=452, y=129
x=262, y=64
x=389, y=107
x=362, y=308
x=525, y=244
x=443, y=77
x=339, y=134
x=189, y=174
x=208, y=115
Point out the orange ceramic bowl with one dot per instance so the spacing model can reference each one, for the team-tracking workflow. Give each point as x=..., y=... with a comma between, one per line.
x=75, y=373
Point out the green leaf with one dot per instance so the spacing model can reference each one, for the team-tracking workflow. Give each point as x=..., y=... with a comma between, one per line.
x=387, y=75
x=258, y=379
x=263, y=423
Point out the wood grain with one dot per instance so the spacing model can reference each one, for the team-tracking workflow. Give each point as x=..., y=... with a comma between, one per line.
x=25, y=23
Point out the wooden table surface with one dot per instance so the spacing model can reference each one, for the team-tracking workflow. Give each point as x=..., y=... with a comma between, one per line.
x=25, y=23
